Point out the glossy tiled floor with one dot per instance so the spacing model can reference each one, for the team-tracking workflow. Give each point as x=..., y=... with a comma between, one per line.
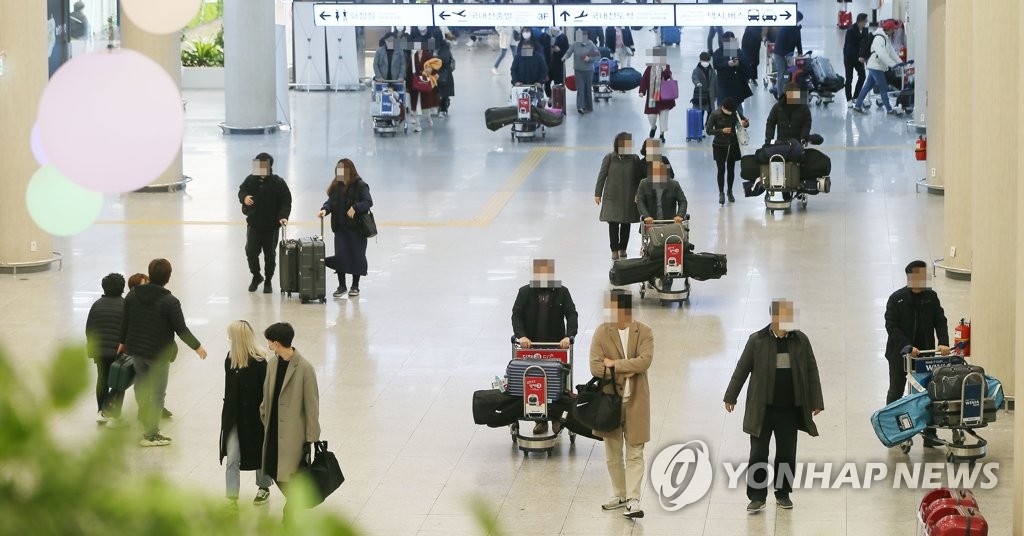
x=463, y=211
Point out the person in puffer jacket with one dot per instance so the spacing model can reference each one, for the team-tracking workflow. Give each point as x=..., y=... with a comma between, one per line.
x=790, y=116
x=883, y=57
x=102, y=333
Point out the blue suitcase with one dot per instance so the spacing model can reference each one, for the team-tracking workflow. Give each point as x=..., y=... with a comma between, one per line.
x=670, y=35
x=903, y=419
x=694, y=124
x=553, y=369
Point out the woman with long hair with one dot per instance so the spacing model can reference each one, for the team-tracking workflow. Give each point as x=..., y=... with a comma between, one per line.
x=241, y=432
x=348, y=197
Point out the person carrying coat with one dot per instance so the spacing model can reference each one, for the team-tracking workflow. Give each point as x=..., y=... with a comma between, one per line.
x=790, y=116
x=241, y=430
x=656, y=108
x=544, y=312
x=913, y=317
x=388, y=63
x=725, y=145
x=290, y=411
x=783, y=398
x=659, y=197
x=705, y=84
x=445, y=77
x=348, y=197
x=102, y=333
x=528, y=65
x=421, y=66
x=883, y=57
x=267, y=204
x=616, y=192
x=624, y=349
x=620, y=42
x=733, y=70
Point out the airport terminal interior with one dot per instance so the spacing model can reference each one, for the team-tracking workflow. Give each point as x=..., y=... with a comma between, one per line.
x=462, y=213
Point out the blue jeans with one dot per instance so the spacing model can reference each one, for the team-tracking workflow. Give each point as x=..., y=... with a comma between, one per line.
x=501, y=56
x=712, y=32
x=150, y=391
x=781, y=73
x=585, y=90
x=231, y=469
x=876, y=78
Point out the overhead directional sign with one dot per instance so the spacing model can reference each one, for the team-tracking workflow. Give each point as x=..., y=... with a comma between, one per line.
x=735, y=14
x=566, y=15
x=615, y=15
x=517, y=15
x=374, y=15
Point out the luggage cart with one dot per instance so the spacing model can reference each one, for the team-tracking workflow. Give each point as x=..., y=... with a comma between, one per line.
x=781, y=181
x=388, y=109
x=603, y=88
x=535, y=402
x=661, y=287
x=972, y=402
x=524, y=98
x=900, y=88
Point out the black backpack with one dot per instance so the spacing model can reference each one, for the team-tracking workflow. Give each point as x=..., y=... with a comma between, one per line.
x=865, y=46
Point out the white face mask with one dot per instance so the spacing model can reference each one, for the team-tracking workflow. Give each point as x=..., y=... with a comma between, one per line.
x=527, y=35
x=422, y=29
x=705, y=64
x=787, y=326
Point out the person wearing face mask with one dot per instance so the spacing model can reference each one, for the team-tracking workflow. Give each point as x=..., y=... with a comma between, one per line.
x=656, y=108
x=388, y=63
x=783, y=398
x=726, y=146
x=583, y=53
x=620, y=43
x=616, y=192
x=267, y=203
x=544, y=312
x=883, y=57
x=705, y=84
x=913, y=317
x=528, y=67
x=348, y=197
x=559, y=43
x=660, y=197
x=733, y=71
x=790, y=116
x=422, y=63
x=504, y=46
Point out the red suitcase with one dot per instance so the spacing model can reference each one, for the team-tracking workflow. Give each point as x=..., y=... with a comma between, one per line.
x=936, y=496
x=956, y=521
x=558, y=96
x=845, y=20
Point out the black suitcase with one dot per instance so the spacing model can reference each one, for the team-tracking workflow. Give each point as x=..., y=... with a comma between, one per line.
x=946, y=413
x=301, y=268
x=704, y=266
x=638, y=270
x=495, y=409
x=947, y=382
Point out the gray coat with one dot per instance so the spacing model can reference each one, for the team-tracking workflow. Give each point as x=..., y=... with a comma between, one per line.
x=617, y=185
x=673, y=200
x=578, y=50
x=758, y=362
x=380, y=65
x=705, y=96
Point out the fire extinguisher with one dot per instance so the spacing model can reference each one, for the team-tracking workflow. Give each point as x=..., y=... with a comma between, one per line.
x=962, y=334
x=903, y=53
x=921, y=148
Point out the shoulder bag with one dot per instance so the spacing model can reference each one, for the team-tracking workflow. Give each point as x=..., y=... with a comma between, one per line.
x=324, y=472
x=367, y=225
x=599, y=410
x=669, y=90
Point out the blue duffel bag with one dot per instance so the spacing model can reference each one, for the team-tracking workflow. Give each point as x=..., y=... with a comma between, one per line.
x=903, y=419
x=625, y=79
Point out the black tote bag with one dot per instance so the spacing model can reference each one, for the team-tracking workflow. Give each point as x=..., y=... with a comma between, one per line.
x=599, y=410
x=324, y=472
x=367, y=225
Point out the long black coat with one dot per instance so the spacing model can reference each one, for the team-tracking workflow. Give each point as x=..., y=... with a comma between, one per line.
x=243, y=394
x=556, y=67
x=732, y=81
x=445, y=78
x=910, y=326
x=349, y=246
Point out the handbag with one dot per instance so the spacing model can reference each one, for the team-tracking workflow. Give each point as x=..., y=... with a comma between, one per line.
x=421, y=84
x=323, y=472
x=599, y=410
x=367, y=225
x=669, y=90
x=741, y=131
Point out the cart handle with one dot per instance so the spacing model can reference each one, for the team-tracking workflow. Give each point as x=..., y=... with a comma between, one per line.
x=556, y=345
x=958, y=346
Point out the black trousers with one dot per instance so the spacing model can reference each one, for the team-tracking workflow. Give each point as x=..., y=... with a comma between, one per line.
x=618, y=235
x=784, y=424
x=261, y=241
x=726, y=157
x=107, y=399
x=898, y=386
x=851, y=66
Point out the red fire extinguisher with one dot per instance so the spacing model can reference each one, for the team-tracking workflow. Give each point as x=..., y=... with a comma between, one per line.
x=962, y=334
x=921, y=148
x=903, y=53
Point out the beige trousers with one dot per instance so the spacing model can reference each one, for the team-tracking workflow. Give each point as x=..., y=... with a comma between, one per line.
x=626, y=469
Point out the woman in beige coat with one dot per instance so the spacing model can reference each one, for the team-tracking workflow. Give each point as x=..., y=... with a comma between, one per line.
x=291, y=407
x=627, y=348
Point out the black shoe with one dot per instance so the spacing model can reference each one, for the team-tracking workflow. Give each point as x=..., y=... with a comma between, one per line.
x=662, y=137
x=653, y=131
x=267, y=288
x=721, y=199
x=932, y=441
x=340, y=292
x=165, y=414
x=353, y=292
x=731, y=198
x=784, y=502
x=255, y=284
x=579, y=111
x=755, y=507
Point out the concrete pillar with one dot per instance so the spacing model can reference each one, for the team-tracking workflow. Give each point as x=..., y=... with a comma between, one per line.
x=932, y=96
x=1018, y=418
x=250, y=98
x=993, y=180
x=165, y=50
x=955, y=169
x=23, y=43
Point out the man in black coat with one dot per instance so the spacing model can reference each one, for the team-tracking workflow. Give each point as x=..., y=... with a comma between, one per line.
x=544, y=312
x=102, y=334
x=855, y=35
x=152, y=316
x=267, y=203
x=733, y=71
x=790, y=115
x=914, y=318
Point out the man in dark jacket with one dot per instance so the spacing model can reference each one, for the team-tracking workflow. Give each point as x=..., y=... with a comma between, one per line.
x=544, y=312
x=783, y=398
x=528, y=66
x=659, y=197
x=733, y=71
x=102, y=334
x=787, y=41
x=855, y=35
x=267, y=203
x=152, y=315
x=914, y=318
x=790, y=115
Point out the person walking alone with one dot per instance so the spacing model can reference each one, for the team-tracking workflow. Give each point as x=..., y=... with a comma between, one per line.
x=616, y=189
x=855, y=35
x=583, y=53
x=656, y=106
x=348, y=197
x=725, y=146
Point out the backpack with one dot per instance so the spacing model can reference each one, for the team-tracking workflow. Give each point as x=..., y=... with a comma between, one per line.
x=865, y=46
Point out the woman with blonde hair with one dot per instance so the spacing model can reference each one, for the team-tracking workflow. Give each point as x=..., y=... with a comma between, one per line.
x=241, y=433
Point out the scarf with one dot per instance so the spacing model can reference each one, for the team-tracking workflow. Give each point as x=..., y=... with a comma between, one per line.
x=434, y=64
x=654, y=85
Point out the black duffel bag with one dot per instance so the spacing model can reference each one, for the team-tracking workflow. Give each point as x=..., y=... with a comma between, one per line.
x=749, y=168
x=495, y=409
x=597, y=409
x=500, y=117
x=790, y=150
x=564, y=411
x=636, y=270
x=704, y=266
x=816, y=164
x=947, y=382
x=323, y=472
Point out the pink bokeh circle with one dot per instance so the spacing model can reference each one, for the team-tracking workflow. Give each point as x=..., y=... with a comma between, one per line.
x=37, y=146
x=111, y=121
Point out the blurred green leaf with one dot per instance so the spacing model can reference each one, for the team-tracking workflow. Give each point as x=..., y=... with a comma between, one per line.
x=69, y=376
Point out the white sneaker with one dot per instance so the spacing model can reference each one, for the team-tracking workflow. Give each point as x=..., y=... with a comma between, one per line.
x=155, y=440
x=494, y=71
x=416, y=127
x=614, y=503
x=101, y=418
x=633, y=510
x=116, y=422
